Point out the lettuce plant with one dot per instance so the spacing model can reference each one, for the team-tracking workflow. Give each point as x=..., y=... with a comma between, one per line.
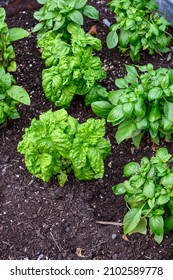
x=143, y=102
x=73, y=69
x=138, y=28
x=11, y=96
x=149, y=195
x=7, y=36
x=56, y=15
x=56, y=144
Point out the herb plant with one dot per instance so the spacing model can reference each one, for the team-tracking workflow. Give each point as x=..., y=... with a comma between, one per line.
x=56, y=144
x=7, y=36
x=149, y=195
x=56, y=15
x=138, y=28
x=73, y=69
x=143, y=102
x=11, y=96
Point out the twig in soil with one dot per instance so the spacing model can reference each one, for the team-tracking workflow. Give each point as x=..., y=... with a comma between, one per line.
x=109, y=223
x=54, y=240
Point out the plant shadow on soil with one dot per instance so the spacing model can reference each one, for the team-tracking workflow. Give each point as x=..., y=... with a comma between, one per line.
x=42, y=221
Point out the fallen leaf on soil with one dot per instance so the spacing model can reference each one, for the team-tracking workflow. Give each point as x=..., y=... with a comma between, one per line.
x=125, y=237
x=93, y=30
x=80, y=252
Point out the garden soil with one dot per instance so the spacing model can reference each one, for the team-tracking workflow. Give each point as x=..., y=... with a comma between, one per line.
x=43, y=221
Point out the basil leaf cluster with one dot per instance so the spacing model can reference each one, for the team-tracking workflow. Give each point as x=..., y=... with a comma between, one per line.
x=138, y=27
x=56, y=144
x=56, y=15
x=71, y=67
x=143, y=102
x=11, y=96
x=149, y=194
x=7, y=36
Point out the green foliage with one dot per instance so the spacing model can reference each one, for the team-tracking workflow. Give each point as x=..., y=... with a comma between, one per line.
x=7, y=36
x=56, y=144
x=138, y=28
x=73, y=69
x=149, y=194
x=56, y=15
x=10, y=96
x=143, y=102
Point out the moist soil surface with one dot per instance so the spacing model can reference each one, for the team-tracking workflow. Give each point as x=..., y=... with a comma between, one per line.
x=43, y=221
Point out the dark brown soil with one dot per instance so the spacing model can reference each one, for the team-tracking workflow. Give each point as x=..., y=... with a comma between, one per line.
x=42, y=221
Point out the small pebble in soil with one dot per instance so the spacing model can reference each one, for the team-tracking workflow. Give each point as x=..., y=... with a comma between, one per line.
x=114, y=235
x=106, y=22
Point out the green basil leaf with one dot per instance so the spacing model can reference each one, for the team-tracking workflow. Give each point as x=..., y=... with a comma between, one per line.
x=116, y=114
x=125, y=130
x=158, y=238
x=101, y=108
x=170, y=72
x=140, y=107
x=114, y=96
x=158, y=212
x=121, y=83
x=169, y=223
x=62, y=178
x=141, y=227
x=112, y=39
x=137, y=139
x=156, y=224
x=38, y=26
x=80, y=4
x=131, y=79
x=155, y=93
x=149, y=189
x=163, y=155
x=2, y=14
x=142, y=124
x=167, y=181
x=131, y=70
x=128, y=109
x=17, y=34
x=167, y=125
x=76, y=17
x=50, y=15
x=155, y=113
x=91, y=12
x=131, y=168
x=137, y=181
x=18, y=93
x=132, y=219
x=123, y=38
x=168, y=110
x=154, y=29
x=163, y=199
x=152, y=202
x=119, y=189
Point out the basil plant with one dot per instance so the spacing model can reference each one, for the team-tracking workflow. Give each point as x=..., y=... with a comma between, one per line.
x=138, y=27
x=149, y=195
x=72, y=68
x=142, y=103
x=56, y=15
x=7, y=36
x=56, y=144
